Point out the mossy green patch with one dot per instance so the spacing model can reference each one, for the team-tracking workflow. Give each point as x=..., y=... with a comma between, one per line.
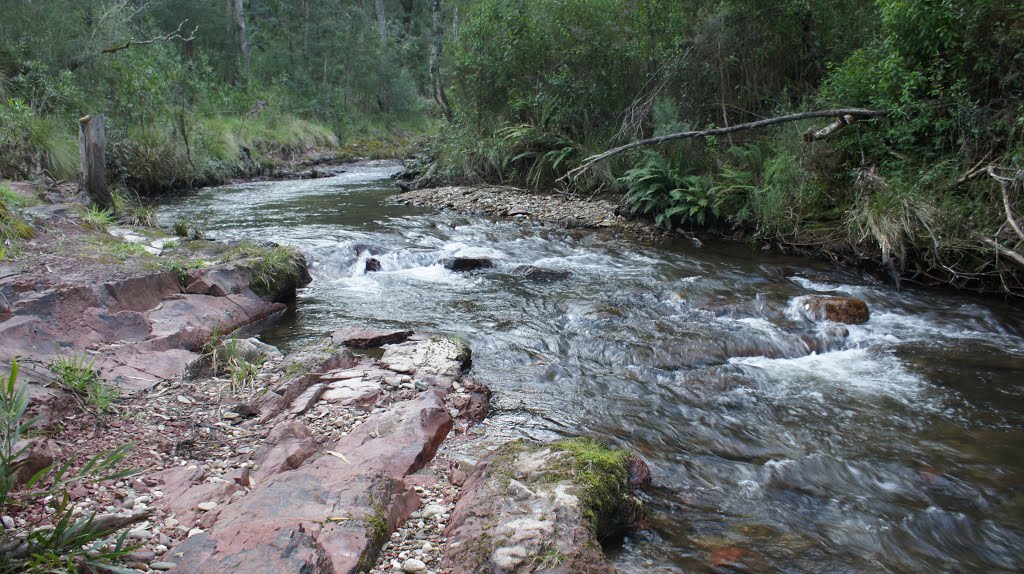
x=12, y=227
x=602, y=473
x=377, y=532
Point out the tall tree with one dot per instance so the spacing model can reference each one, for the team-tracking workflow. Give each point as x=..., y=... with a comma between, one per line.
x=382, y=22
x=435, y=61
x=243, y=36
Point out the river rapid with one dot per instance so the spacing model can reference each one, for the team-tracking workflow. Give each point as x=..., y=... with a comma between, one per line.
x=897, y=448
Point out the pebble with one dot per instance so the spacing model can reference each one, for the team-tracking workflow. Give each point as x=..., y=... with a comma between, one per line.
x=206, y=506
x=163, y=566
x=414, y=566
x=195, y=531
x=141, y=534
x=184, y=400
x=432, y=511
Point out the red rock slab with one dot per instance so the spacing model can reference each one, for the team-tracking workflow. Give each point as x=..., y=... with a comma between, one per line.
x=141, y=293
x=364, y=338
x=220, y=282
x=330, y=514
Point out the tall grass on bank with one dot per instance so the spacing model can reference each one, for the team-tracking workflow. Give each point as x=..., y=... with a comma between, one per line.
x=31, y=143
x=204, y=150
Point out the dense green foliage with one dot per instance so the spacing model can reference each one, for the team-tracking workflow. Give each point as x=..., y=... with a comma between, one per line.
x=198, y=105
x=538, y=86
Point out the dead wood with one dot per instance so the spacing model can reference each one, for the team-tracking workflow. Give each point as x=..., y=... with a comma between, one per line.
x=857, y=113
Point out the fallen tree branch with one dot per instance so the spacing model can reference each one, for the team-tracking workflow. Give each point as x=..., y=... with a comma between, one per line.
x=1004, y=186
x=175, y=35
x=812, y=135
x=857, y=113
x=1002, y=250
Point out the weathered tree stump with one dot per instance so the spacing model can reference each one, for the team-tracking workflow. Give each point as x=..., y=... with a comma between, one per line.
x=92, y=143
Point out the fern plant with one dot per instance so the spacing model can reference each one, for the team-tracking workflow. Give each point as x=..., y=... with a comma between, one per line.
x=657, y=188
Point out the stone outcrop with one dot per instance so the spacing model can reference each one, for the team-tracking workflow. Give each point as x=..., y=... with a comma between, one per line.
x=310, y=503
x=543, y=508
x=136, y=330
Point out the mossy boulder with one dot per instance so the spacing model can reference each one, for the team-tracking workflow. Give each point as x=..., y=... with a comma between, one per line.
x=533, y=507
x=277, y=270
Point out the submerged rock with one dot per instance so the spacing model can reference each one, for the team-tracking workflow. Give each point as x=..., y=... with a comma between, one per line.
x=467, y=263
x=537, y=274
x=543, y=508
x=372, y=265
x=838, y=309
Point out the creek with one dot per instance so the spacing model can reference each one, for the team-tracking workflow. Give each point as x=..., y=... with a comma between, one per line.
x=896, y=448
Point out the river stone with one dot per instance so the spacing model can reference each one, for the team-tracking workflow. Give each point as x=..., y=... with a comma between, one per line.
x=540, y=275
x=555, y=500
x=414, y=566
x=838, y=309
x=356, y=391
x=438, y=355
x=365, y=338
x=467, y=263
x=372, y=265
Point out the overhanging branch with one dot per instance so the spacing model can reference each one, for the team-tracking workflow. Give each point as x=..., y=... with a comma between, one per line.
x=175, y=35
x=853, y=113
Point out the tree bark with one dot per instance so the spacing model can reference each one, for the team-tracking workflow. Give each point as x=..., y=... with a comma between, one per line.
x=382, y=23
x=305, y=27
x=589, y=162
x=243, y=35
x=436, y=49
x=92, y=143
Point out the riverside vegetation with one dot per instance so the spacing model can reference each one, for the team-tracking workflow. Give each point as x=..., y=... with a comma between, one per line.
x=927, y=192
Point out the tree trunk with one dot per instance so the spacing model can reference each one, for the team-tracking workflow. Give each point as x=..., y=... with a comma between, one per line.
x=92, y=143
x=243, y=36
x=407, y=12
x=382, y=23
x=305, y=27
x=435, y=61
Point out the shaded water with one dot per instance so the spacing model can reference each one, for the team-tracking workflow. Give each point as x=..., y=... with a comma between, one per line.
x=895, y=449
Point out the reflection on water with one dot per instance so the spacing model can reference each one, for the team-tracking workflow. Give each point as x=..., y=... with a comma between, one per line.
x=776, y=445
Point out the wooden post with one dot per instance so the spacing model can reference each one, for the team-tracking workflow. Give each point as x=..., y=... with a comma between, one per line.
x=92, y=143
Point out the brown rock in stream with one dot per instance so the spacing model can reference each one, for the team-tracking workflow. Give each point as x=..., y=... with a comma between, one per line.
x=467, y=263
x=839, y=309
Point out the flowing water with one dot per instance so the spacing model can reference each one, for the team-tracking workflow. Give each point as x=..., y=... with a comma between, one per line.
x=894, y=449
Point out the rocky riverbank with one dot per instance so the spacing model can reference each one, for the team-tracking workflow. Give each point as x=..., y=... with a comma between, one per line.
x=322, y=461
x=562, y=210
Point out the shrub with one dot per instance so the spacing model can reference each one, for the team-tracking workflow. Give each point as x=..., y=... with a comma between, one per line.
x=77, y=374
x=97, y=218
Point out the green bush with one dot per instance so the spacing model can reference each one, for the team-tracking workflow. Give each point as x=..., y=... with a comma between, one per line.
x=30, y=143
